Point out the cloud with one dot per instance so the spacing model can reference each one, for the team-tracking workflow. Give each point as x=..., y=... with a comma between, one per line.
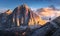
x=33, y=8
x=3, y=10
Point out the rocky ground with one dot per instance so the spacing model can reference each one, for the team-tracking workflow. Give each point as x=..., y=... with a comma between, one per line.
x=46, y=30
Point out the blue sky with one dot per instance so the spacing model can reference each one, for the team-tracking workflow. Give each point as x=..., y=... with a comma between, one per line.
x=11, y=4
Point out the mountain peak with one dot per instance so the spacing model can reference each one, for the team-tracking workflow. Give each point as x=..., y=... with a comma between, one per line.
x=20, y=9
x=24, y=5
x=8, y=12
x=25, y=16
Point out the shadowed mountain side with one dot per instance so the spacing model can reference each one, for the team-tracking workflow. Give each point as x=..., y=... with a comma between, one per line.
x=57, y=21
x=50, y=29
x=57, y=33
x=46, y=30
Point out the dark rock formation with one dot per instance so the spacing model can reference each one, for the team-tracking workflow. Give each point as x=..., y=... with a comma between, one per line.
x=57, y=33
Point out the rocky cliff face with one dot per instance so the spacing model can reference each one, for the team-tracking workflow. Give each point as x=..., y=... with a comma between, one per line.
x=23, y=15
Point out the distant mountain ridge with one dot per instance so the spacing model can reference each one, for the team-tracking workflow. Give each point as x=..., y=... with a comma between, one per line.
x=48, y=12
